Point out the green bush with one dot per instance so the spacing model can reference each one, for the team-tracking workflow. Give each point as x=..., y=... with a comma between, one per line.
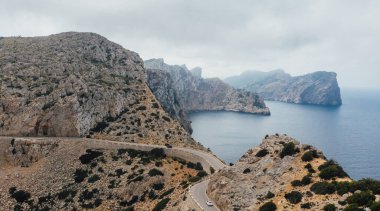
x=157, y=153
x=342, y=187
x=309, y=168
x=246, y=171
x=353, y=207
x=294, y=197
x=307, y=205
x=262, y=153
x=93, y=178
x=331, y=169
x=375, y=206
x=306, y=180
x=323, y=188
x=269, y=206
x=155, y=172
x=363, y=198
x=309, y=155
x=289, y=149
x=212, y=170
x=202, y=174
x=161, y=205
x=194, y=179
x=170, y=191
x=329, y=207
x=366, y=184
x=296, y=183
x=269, y=195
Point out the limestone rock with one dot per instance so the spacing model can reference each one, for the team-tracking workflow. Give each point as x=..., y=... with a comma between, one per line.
x=320, y=88
x=79, y=84
x=190, y=92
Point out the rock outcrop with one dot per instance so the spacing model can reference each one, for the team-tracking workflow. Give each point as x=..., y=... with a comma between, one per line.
x=319, y=88
x=181, y=91
x=285, y=174
x=79, y=84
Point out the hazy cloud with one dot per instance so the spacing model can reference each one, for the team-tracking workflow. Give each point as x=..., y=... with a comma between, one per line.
x=225, y=37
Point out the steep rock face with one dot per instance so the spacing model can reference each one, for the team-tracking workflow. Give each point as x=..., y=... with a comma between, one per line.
x=319, y=88
x=267, y=169
x=161, y=85
x=76, y=84
x=194, y=93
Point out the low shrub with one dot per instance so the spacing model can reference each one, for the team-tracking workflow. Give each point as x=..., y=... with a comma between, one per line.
x=288, y=150
x=158, y=186
x=269, y=206
x=306, y=180
x=93, y=178
x=363, y=198
x=323, y=188
x=366, y=184
x=329, y=207
x=296, y=183
x=20, y=196
x=155, y=172
x=202, y=174
x=161, y=205
x=310, y=168
x=246, y=171
x=89, y=156
x=262, y=153
x=194, y=179
x=342, y=187
x=309, y=155
x=353, y=207
x=212, y=170
x=293, y=197
x=80, y=175
x=332, y=172
x=307, y=205
x=269, y=195
x=375, y=206
x=66, y=193
x=168, y=192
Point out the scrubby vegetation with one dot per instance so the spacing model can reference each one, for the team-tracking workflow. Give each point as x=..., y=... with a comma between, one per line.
x=262, y=153
x=309, y=155
x=331, y=169
x=289, y=149
x=329, y=207
x=294, y=197
x=269, y=206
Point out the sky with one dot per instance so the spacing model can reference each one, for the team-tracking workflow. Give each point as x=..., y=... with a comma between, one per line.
x=224, y=37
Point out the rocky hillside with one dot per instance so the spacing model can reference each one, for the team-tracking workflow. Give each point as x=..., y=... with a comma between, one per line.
x=180, y=91
x=79, y=84
x=282, y=174
x=319, y=88
x=58, y=174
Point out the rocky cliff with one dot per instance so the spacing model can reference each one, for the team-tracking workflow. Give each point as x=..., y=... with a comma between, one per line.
x=319, y=88
x=190, y=92
x=79, y=84
x=282, y=174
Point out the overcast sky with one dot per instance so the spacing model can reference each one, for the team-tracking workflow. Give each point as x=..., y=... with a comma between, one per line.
x=223, y=37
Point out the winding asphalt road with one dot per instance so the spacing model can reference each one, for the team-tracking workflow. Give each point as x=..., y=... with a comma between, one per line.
x=197, y=191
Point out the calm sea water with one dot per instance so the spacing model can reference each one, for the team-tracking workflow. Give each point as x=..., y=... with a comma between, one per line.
x=349, y=134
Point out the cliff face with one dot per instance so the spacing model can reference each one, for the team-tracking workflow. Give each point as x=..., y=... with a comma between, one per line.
x=285, y=174
x=319, y=88
x=194, y=93
x=76, y=84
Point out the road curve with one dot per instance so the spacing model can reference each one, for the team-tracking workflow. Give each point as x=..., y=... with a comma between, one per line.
x=197, y=191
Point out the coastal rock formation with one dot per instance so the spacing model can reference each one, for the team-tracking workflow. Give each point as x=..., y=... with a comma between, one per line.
x=190, y=92
x=319, y=88
x=79, y=84
x=285, y=174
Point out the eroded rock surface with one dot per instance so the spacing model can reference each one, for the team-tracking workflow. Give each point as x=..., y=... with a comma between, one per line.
x=320, y=88
x=181, y=91
x=79, y=84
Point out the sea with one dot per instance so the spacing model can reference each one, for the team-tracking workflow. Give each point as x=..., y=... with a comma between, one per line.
x=349, y=134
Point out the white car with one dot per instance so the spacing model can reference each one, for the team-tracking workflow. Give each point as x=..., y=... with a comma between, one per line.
x=209, y=203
